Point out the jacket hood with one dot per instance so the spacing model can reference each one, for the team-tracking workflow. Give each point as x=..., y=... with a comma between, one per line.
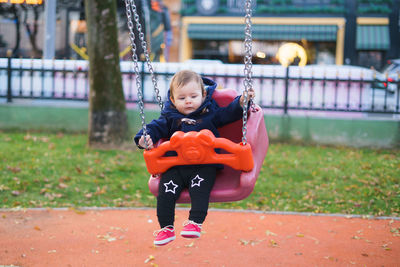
x=170, y=110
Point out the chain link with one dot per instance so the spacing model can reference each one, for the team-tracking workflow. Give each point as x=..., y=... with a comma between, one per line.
x=146, y=53
x=130, y=5
x=136, y=68
x=247, y=66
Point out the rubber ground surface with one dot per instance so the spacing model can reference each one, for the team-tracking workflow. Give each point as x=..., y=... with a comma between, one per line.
x=125, y=238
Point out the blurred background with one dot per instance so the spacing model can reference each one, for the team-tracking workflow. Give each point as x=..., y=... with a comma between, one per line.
x=353, y=32
x=320, y=58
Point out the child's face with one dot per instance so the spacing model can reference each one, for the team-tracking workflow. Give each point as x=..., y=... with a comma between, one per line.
x=188, y=98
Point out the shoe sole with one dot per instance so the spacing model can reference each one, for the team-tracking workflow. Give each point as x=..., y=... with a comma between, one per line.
x=190, y=234
x=164, y=242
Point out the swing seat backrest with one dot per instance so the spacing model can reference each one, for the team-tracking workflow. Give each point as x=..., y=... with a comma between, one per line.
x=231, y=184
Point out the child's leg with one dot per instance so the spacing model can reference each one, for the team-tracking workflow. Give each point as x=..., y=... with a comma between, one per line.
x=170, y=188
x=200, y=184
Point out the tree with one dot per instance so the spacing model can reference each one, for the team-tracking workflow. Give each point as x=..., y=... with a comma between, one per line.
x=108, y=126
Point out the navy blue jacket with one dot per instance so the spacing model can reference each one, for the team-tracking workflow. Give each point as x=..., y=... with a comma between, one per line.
x=208, y=116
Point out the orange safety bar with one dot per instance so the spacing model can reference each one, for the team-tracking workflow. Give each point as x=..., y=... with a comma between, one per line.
x=198, y=148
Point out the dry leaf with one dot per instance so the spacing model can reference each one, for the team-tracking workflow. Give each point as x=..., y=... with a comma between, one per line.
x=106, y=237
x=80, y=212
x=62, y=185
x=190, y=245
x=150, y=258
x=268, y=232
x=13, y=169
x=78, y=169
x=3, y=187
x=244, y=242
x=273, y=243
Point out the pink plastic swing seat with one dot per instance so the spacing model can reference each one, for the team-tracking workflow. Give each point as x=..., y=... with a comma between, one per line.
x=231, y=184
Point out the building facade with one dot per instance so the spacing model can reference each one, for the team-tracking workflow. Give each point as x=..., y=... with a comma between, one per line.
x=354, y=32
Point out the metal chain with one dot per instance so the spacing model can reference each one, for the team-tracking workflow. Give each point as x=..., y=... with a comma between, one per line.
x=146, y=53
x=247, y=61
x=248, y=84
x=136, y=69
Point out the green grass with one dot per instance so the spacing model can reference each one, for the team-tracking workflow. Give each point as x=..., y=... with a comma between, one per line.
x=59, y=170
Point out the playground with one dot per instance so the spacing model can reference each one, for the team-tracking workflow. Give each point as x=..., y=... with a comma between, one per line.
x=76, y=200
x=124, y=237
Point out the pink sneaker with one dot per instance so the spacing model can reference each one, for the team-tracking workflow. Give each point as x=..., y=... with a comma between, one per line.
x=164, y=235
x=191, y=229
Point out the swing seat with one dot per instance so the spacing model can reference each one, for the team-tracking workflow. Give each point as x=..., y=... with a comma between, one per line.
x=231, y=184
x=194, y=148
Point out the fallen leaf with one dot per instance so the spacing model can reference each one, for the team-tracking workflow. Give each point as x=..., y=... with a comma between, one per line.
x=190, y=245
x=13, y=169
x=80, y=212
x=101, y=191
x=316, y=241
x=244, y=242
x=150, y=258
x=62, y=185
x=268, y=232
x=37, y=228
x=386, y=247
x=273, y=243
x=3, y=187
x=44, y=190
x=79, y=170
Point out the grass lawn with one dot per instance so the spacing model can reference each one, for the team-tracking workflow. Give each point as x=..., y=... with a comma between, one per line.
x=59, y=170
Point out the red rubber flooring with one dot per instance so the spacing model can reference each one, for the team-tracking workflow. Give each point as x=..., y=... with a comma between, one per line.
x=125, y=238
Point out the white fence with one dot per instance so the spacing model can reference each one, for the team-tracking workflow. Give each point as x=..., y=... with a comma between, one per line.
x=321, y=88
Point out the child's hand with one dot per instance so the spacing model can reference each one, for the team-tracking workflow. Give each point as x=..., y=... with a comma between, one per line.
x=149, y=142
x=250, y=96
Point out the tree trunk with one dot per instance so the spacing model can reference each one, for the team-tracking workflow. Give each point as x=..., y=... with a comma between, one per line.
x=108, y=125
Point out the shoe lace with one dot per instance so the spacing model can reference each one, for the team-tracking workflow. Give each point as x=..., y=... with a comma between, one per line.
x=166, y=228
x=187, y=222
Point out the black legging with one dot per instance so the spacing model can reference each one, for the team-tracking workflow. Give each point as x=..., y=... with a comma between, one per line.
x=198, y=179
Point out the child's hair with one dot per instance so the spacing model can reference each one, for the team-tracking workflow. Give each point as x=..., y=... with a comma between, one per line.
x=183, y=77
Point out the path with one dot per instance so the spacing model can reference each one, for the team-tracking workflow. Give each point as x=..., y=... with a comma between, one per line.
x=124, y=238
